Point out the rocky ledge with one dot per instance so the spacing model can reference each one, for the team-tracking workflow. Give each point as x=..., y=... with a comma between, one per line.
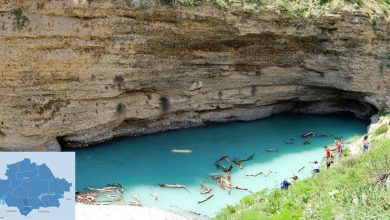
x=87, y=71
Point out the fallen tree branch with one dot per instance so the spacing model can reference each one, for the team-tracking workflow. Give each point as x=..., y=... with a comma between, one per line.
x=254, y=175
x=204, y=200
x=174, y=186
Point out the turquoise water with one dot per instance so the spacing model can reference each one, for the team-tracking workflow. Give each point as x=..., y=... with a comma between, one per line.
x=141, y=163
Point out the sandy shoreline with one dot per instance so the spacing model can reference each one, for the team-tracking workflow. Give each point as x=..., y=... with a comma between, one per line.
x=124, y=212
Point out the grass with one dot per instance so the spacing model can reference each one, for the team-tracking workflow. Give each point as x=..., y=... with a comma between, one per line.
x=380, y=130
x=375, y=8
x=353, y=189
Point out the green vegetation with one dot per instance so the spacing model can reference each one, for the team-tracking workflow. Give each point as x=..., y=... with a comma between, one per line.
x=295, y=7
x=354, y=189
x=19, y=18
x=323, y=2
x=381, y=130
x=383, y=110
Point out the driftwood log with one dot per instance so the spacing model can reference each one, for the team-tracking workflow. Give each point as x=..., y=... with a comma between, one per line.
x=254, y=175
x=269, y=173
x=177, y=186
x=204, y=200
x=219, y=166
x=205, y=189
x=237, y=187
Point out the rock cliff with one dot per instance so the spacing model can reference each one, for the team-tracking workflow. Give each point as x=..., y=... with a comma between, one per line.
x=86, y=71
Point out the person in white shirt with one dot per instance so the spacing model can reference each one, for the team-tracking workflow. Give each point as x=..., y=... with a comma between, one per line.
x=316, y=167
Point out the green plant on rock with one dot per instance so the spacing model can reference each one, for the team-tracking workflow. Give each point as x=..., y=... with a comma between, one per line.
x=284, y=8
x=323, y=2
x=167, y=2
x=388, y=56
x=359, y=3
x=381, y=130
x=383, y=110
x=19, y=18
x=256, y=2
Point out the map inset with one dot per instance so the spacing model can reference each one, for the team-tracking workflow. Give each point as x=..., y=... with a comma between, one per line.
x=32, y=188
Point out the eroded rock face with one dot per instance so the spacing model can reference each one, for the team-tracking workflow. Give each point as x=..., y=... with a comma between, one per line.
x=87, y=71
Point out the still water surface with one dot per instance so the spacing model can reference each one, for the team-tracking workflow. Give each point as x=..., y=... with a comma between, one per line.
x=141, y=163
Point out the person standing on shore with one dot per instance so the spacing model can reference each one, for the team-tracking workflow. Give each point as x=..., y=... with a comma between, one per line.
x=339, y=150
x=365, y=143
x=328, y=156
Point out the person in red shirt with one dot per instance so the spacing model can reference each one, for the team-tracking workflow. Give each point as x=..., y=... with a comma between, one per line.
x=328, y=156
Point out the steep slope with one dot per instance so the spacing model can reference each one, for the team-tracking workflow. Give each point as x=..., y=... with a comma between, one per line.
x=356, y=188
x=86, y=71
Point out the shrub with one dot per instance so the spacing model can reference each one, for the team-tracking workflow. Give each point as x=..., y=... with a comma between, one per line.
x=248, y=200
x=167, y=2
x=256, y=2
x=19, y=18
x=357, y=2
x=250, y=215
x=230, y=209
x=345, y=152
x=283, y=8
x=381, y=130
x=323, y=2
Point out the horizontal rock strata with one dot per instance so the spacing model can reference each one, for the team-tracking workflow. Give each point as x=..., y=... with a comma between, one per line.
x=87, y=71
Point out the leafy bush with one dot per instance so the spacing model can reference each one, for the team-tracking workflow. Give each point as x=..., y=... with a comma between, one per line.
x=284, y=8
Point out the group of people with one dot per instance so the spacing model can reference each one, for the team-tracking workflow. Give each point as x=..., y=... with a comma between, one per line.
x=328, y=158
x=339, y=150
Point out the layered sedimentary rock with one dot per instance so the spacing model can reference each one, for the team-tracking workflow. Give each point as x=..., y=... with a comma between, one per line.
x=87, y=71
